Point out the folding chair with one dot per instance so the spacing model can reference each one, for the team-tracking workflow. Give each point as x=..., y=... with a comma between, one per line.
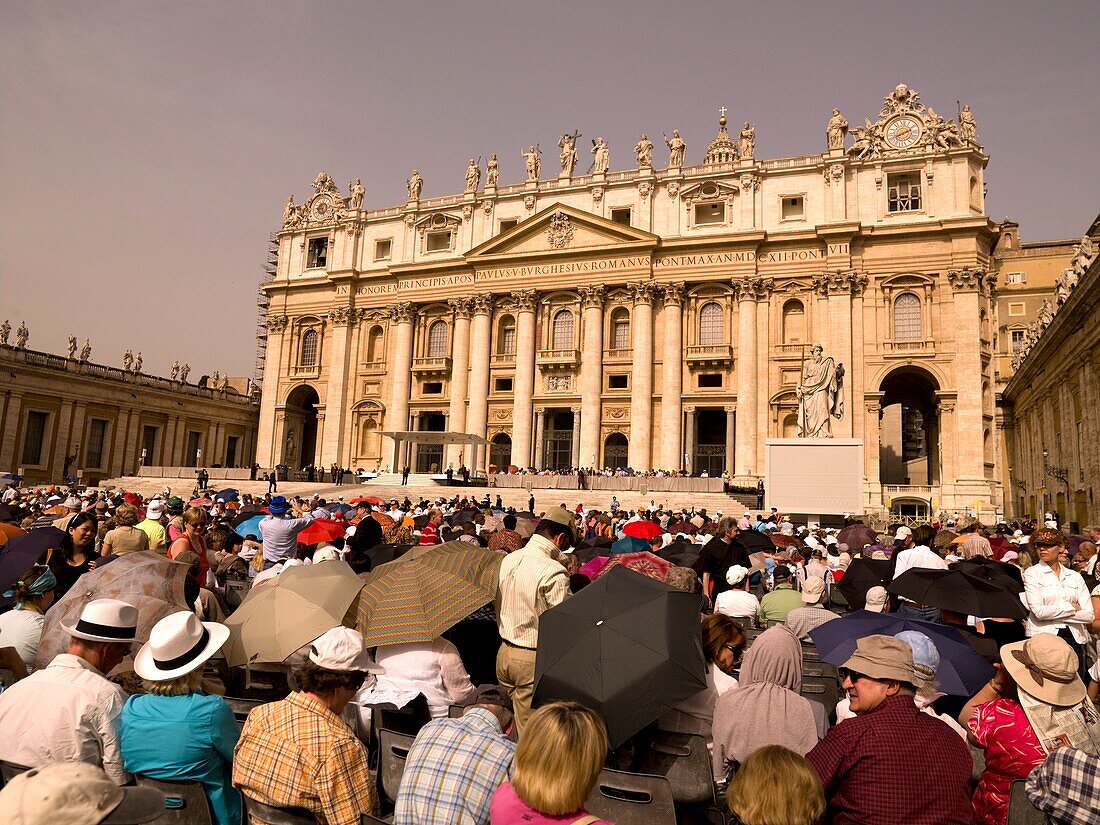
x=1021, y=810
x=823, y=689
x=195, y=808
x=632, y=799
x=393, y=751
x=277, y=816
x=683, y=760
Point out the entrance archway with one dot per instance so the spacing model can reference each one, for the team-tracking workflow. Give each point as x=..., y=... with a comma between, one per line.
x=616, y=450
x=429, y=457
x=558, y=440
x=300, y=441
x=500, y=451
x=910, y=429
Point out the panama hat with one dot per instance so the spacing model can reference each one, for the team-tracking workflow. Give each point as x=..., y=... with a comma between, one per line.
x=178, y=644
x=105, y=620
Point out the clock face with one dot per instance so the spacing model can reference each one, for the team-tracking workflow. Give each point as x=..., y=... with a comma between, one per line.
x=903, y=132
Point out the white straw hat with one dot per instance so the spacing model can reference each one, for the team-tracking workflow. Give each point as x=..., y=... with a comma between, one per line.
x=177, y=645
x=105, y=620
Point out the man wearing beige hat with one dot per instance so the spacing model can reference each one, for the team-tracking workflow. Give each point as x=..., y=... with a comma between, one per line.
x=68, y=711
x=68, y=793
x=802, y=620
x=861, y=760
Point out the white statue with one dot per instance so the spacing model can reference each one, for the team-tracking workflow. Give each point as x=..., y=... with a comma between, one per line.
x=968, y=127
x=215, y=379
x=128, y=360
x=820, y=398
x=324, y=183
x=473, y=176
x=568, y=157
x=492, y=171
x=746, y=143
x=836, y=129
x=175, y=370
x=357, y=193
x=137, y=363
x=72, y=347
x=184, y=372
x=676, y=148
x=602, y=160
x=86, y=351
x=291, y=216
x=223, y=385
x=532, y=163
x=5, y=331
x=21, y=335
x=415, y=185
x=644, y=150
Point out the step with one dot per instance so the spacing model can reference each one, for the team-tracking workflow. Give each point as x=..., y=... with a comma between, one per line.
x=394, y=480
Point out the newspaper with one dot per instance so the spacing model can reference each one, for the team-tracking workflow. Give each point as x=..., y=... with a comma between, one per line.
x=1056, y=726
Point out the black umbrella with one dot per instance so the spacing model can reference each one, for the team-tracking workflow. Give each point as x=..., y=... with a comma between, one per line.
x=463, y=516
x=590, y=548
x=861, y=576
x=756, y=542
x=682, y=553
x=958, y=591
x=857, y=536
x=1007, y=576
x=23, y=552
x=626, y=646
x=228, y=494
x=6, y=513
x=382, y=553
x=420, y=522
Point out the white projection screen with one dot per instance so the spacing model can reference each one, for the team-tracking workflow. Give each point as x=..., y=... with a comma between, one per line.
x=814, y=476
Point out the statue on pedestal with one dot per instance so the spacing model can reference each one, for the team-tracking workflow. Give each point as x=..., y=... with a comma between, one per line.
x=415, y=185
x=21, y=335
x=72, y=347
x=568, y=157
x=602, y=160
x=492, y=171
x=820, y=396
x=175, y=370
x=473, y=176
x=128, y=360
x=291, y=216
x=746, y=143
x=137, y=363
x=644, y=150
x=184, y=372
x=676, y=148
x=532, y=163
x=215, y=379
x=86, y=351
x=968, y=127
x=836, y=129
x=5, y=331
x=357, y=193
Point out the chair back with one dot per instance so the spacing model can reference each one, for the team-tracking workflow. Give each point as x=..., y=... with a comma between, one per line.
x=271, y=815
x=810, y=652
x=632, y=799
x=189, y=803
x=682, y=759
x=820, y=669
x=455, y=711
x=235, y=591
x=823, y=689
x=242, y=707
x=368, y=819
x=10, y=770
x=1021, y=810
x=394, y=748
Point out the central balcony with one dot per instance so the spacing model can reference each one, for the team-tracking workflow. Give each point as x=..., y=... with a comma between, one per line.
x=709, y=355
x=558, y=359
x=431, y=366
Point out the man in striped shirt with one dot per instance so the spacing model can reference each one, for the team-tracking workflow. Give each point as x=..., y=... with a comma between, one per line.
x=532, y=580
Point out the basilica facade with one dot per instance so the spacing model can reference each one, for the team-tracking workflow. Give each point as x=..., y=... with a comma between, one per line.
x=658, y=316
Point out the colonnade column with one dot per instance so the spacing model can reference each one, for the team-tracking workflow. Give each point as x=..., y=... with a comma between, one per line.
x=689, y=439
x=267, y=441
x=397, y=417
x=578, y=420
x=641, y=395
x=588, y=444
x=745, y=447
x=672, y=376
x=460, y=376
x=477, y=416
x=9, y=436
x=540, y=438
x=342, y=319
x=730, y=448
x=524, y=389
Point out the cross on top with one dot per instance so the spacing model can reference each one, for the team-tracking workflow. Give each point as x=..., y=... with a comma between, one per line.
x=722, y=111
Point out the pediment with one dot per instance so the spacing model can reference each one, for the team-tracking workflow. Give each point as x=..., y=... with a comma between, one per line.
x=562, y=229
x=709, y=190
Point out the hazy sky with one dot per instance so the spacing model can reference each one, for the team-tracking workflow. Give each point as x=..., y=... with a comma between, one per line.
x=146, y=148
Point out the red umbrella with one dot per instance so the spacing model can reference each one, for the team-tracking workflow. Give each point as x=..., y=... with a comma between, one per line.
x=321, y=529
x=200, y=502
x=645, y=563
x=372, y=500
x=643, y=529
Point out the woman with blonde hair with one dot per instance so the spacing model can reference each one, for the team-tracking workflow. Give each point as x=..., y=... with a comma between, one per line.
x=125, y=537
x=559, y=757
x=776, y=786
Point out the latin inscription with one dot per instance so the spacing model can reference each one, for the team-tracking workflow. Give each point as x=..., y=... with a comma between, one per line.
x=566, y=268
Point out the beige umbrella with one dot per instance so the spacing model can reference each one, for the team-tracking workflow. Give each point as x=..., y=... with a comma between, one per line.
x=289, y=611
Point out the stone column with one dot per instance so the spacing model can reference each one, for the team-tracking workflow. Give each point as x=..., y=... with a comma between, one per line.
x=64, y=442
x=745, y=448
x=477, y=416
x=641, y=395
x=689, y=440
x=9, y=436
x=540, y=439
x=731, y=467
x=591, y=377
x=872, y=446
x=460, y=376
x=578, y=419
x=967, y=285
x=267, y=442
x=397, y=417
x=342, y=321
x=672, y=376
x=524, y=389
x=763, y=287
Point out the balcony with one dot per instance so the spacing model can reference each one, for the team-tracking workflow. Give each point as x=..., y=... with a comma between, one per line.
x=790, y=350
x=431, y=366
x=558, y=359
x=504, y=359
x=907, y=349
x=373, y=368
x=617, y=356
x=709, y=355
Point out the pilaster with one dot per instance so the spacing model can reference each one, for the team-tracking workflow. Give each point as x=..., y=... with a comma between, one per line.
x=672, y=376
x=402, y=316
x=524, y=386
x=592, y=298
x=641, y=397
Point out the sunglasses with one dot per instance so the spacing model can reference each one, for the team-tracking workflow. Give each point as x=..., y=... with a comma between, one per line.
x=854, y=675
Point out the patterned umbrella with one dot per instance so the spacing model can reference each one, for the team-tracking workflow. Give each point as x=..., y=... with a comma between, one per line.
x=385, y=519
x=857, y=536
x=149, y=581
x=428, y=590
x=645, y=563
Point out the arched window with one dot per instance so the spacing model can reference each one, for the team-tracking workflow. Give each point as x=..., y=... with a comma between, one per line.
x=620, y=329
x=437, y=339
x=563, y=330
x=794, y=322
x=907, y=320
x=309, y=349
x=506, y=337
x=374, y=345
x=710, y=325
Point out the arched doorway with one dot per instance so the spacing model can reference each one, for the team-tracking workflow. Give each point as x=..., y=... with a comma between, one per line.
x=429, y=457
x=300, y=439
x=615, y=451
x=910, y=429
x=558, y=440
x=500, y=451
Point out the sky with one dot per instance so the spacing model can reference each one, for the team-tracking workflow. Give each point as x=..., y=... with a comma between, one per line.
x=147, y=147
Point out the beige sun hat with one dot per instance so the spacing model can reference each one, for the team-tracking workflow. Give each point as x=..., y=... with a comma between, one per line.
x=882, y=657
x=1045, y=666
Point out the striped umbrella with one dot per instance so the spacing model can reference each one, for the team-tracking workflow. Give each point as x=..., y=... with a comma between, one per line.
x=428, y=590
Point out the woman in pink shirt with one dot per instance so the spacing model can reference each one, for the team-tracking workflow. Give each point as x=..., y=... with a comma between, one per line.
x=557, y=763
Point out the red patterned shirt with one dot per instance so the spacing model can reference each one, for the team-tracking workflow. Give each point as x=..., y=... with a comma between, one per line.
x=894, y=766
x=1011, y=751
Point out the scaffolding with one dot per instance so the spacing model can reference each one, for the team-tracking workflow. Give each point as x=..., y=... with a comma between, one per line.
x=263, y=302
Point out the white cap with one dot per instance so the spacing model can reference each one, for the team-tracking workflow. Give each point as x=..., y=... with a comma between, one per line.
x=813, y=590
x=76, y=792
x=342, y=649
x=902, y=533
x=155, y=509
x=736, y=574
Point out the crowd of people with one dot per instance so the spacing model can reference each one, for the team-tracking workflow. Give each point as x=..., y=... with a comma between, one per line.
x=896, y=747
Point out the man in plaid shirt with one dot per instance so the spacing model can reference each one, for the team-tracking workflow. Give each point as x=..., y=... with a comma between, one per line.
x=455, y=765
x=1067, y=787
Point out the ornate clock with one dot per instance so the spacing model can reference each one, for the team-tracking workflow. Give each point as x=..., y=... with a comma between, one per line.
x=903, y=132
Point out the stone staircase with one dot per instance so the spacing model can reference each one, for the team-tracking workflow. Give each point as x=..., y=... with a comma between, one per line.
x=394, y=480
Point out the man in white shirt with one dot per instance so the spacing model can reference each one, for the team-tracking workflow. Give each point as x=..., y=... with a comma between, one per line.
x=68, y=711
x=1057, y=599
x=920, y=555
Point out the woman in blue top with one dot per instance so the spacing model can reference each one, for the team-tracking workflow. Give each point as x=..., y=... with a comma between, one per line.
x=174, y=731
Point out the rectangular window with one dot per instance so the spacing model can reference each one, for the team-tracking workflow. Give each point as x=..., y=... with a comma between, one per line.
x=793, y=208
x=383, y=249
x=707, y=213
x=903, y=192
x=1017, y=339
x=1015, y=277
x=433, y=388
x=508, y=341
x=1017, y=308
x=621, y=215
x=97, y=436
x=231, y=451
x=33, y=437
x=508, y=223
x=317, y=255
x=148, y=444
x=438, y=241
x=191, y=453
x=502, y=385
x=710, y=380
x=617, y=382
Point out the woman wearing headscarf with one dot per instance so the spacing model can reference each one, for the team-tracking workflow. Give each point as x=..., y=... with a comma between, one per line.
x=766, y=708
x=21, y=627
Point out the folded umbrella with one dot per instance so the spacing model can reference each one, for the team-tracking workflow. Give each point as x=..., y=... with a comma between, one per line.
x=643, y=529
x=322, y=529
x=428, y=590
x=958, y=591
x=629, y=544
x=1007, y=576
x=863, y=574
x=626, y=646
x=962, y=670
x=25, y=551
